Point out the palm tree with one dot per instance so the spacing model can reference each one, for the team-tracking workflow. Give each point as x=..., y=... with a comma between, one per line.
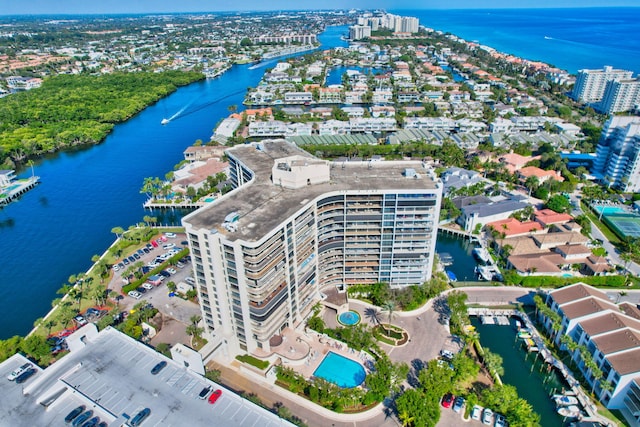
x=373, y=315
x=194, y=331
x=195, y=319
x=118, y=231
x=389, y=307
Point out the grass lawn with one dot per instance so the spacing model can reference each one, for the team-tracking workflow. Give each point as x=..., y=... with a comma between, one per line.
x=610, y=235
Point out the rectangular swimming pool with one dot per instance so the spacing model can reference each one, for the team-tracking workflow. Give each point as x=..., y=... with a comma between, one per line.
x=341, y=371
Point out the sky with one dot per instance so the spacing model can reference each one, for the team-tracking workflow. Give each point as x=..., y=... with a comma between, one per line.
x=19, y=7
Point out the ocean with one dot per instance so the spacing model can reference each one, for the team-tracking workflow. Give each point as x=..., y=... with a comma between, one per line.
x=571, y=39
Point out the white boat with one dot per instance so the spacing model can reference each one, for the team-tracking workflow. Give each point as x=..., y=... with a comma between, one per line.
x=481, y=254
x=164, y=121
x=569, y=411
x=562, y=400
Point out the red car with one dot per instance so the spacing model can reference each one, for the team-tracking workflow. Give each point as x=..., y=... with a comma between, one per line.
x=447, y=400
x=215, y=396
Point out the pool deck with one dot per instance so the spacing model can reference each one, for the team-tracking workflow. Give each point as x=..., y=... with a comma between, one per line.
x=304, y=350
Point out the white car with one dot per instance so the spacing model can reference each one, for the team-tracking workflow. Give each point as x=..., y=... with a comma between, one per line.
x=168, y=246
x=476, y=412
x=172, y=270
x=19, y=371
x=487, y=416
x=115, y=267
x=170, y=235
x=500, y=420
x=134, y=294
x=147, y=286
x=446, y=354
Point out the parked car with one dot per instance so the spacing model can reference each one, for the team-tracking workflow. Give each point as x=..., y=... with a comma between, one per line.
x=170, y=235
x=121, y=265
x=73, y=414
x=134, y=294
x=446, y=354
x=500, y=420
x=145, y=250
x=476, y=412
x=190, y=280
x=25, y=375
x=131, y=259
x=168, y=246
x=179, y=264
x=18, y=371
x=80, y=320
x=215, y=396
x=158, y=367
x=136, y=256
x=141, y=290
x=126, y=261
x=165, y=273
x=92, y=422
x=204, y=392
x=82, y=418
x=139, y=417
x=140, y=252
x=171, y=270
x=447, y=400
x=487, y=416
x=458, y=404
x=115, y=267
x=147, y=286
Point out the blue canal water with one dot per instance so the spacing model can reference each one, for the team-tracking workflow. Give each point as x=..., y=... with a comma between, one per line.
x=53, y=231
x=534, y=386
x=571, y=39
x=340, y=371
x=463, y=264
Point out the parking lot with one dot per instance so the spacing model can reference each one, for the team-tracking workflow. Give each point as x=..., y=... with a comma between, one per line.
x=158, y=295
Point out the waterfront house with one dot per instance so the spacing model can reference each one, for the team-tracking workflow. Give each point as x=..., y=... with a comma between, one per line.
x=480, y=214
x=611, y=335
x=7, y=177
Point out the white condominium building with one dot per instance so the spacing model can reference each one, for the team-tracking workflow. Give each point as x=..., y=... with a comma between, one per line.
x=617, y=161
x=619, y=96
x=359, y=32
x=295, y=225
x=591, y=84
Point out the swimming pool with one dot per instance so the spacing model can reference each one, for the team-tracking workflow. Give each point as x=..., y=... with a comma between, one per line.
x=341, y=371
x=349, y=318
x=608, y=210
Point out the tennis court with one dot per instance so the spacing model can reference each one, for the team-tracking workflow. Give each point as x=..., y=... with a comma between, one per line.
x=624, y=225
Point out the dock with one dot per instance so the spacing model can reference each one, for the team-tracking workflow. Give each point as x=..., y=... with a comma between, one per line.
x=13, y=188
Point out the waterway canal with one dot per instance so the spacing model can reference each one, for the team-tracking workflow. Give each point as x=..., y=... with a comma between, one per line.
x=463, y=264
x=533, y=386
x=53, y=231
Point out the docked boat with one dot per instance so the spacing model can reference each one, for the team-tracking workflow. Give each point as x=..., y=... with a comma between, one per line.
x=445, y=258
x=563, y=400
x=164, y=121
x=482, y=255
x=452, y=277
x=571, y=411
x=517, y=325
x=524, y=334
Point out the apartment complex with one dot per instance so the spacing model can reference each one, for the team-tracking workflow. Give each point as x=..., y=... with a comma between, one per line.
x=359, y=32
x=617, y=161
x=611, y=334
x=398, y=24
x=294, y=225
x=619, y=96
x=591, y=84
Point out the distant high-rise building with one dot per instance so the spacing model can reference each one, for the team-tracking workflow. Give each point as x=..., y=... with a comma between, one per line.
x=359, y=32
x=617, y=161
x=591, y=84
x=296, y=229
x=619, y=96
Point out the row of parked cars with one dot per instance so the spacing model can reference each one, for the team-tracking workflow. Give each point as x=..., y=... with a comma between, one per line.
x=486, y=415
x=81, y=418
x=22, y=373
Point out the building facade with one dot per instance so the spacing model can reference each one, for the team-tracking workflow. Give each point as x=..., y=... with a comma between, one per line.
x=591, y=84
x=620, y=96
x=611, y=335
x=617, y=161
x=295, y=225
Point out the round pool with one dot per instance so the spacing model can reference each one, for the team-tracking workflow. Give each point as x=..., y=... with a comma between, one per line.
x=341, y=371
x=349, y=318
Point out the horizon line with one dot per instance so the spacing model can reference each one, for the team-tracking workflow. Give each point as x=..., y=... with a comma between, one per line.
x=249, y=11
